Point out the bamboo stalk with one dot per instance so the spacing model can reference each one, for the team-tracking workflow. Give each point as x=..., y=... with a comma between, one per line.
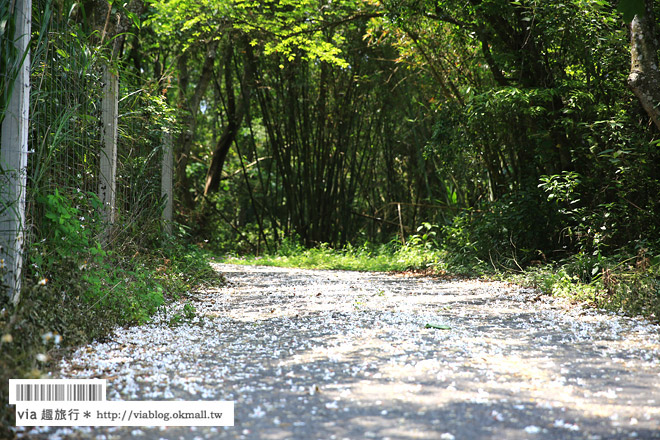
x=403, y=238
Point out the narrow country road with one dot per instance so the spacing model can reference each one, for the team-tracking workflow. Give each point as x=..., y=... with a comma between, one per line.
x=343, y=355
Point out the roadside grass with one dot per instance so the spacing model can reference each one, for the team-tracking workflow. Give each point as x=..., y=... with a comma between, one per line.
x=629, y=285
x=80, y=299
x=366, y=258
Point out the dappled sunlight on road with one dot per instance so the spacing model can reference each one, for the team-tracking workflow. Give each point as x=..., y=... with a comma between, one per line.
x=333, y=354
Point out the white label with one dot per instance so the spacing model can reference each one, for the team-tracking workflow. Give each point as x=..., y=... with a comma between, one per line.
x=126, y=413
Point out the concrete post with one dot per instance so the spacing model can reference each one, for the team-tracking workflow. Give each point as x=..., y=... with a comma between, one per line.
x=166, y=180
x=13, y=160
x=108, y=165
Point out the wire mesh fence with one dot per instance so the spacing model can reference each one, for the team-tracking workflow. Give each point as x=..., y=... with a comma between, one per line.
x=65, y=117
x=139, y=155
x=66, y=142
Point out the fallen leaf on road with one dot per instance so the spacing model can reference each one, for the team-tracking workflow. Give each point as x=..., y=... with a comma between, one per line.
x=437, y=326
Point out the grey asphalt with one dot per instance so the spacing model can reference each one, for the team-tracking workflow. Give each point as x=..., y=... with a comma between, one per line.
x=344, y=355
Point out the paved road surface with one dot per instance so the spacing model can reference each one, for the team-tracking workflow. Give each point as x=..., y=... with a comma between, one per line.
x=344, y=355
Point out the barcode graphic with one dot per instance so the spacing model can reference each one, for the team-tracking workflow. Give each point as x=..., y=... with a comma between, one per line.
x=46, y=392
x=26, y=393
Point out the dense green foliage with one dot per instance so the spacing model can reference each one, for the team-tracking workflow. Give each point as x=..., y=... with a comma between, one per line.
x=82, y=277
x=507, y=124
x=480, y=137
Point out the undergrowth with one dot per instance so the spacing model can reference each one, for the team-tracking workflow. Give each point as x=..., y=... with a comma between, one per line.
x=366, y=257
x=77, y=291
x=628, y=284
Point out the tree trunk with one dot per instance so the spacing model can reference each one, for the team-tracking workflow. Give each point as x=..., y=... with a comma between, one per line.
x=235, y=117
x=644, y=78
x=186, y=137
x=99, y=17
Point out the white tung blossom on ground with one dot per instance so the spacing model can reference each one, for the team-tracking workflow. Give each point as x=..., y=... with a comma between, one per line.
x=344, y=355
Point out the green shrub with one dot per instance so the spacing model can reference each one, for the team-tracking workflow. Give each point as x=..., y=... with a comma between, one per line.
x=506, y=234
x=75, y=290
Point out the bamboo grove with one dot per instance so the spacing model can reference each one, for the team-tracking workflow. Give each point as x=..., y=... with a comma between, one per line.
x=512, y=128
x=508, y=124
